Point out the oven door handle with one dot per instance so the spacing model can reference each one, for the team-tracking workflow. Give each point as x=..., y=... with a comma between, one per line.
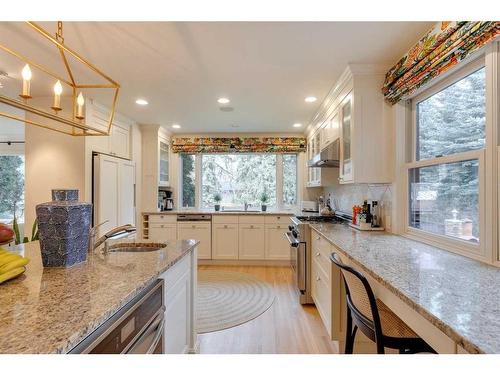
x=157, y=325
x=291, y=239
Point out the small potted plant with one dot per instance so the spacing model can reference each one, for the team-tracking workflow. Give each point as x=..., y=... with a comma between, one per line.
x=264, y=198
x=217, y=199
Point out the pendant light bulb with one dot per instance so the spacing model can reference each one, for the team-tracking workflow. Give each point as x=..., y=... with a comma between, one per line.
x=58, y=88
x=26, y=73
x=80, y=100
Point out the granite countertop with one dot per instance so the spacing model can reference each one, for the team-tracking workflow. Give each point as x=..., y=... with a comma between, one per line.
x=213, y=212
x=458, y=295
x=50, y=310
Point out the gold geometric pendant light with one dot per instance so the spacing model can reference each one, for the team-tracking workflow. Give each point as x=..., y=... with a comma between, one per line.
x=72, y=121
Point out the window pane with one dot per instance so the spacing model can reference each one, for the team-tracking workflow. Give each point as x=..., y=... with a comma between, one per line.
x=453, y=120
x=11, y=188
x=238, y=178
x=289, y=179
x=188, y=180
x=444, y=199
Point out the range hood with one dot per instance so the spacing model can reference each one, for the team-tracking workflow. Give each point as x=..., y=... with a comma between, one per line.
x=328, y=158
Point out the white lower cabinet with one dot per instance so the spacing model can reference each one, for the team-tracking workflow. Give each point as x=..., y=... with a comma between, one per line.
x=251, y=241
x=200, y=232
x=277, y=246
x=180, y=300
x=163, y=232
x=225, y=241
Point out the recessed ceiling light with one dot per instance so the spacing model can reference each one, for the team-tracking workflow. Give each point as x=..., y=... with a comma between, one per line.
x=141, y=102
x=223, y=100
x=310, y=99
x=234, y=125
x=176, y=126
x=297, y=125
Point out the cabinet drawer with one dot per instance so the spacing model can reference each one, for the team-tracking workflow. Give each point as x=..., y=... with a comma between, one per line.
x=163, y=232
x=251, y=219
x=323, y=262
x=225, y=219
x=321, y=294
x=279, y=219
x=163, y=218
x=319, y=243
x=193, y=225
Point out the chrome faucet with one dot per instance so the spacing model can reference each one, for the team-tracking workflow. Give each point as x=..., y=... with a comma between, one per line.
x=246, y=206
x=122, y=229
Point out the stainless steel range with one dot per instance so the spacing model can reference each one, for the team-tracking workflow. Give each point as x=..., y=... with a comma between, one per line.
x=299, y=236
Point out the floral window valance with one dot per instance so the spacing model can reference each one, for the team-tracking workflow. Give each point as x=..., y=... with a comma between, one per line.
x=441, y=48
x=235, y=144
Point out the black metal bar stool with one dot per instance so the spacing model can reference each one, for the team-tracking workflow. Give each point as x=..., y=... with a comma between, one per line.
x=374, y=318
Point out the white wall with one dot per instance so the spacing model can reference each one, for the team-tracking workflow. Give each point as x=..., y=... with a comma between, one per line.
x=53, y=160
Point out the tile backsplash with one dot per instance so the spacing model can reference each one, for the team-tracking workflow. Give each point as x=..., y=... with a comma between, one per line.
x=346, y=196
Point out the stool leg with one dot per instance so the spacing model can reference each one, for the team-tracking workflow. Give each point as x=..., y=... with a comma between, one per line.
x=350, y=334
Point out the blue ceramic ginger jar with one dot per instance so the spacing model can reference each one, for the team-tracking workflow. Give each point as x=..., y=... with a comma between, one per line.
x=63, y=228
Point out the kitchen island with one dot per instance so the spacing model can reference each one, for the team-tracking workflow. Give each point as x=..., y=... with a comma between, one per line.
x=451, y=301
x=51, y=310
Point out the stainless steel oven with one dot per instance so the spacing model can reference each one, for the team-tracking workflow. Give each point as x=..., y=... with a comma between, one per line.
x=297, y=236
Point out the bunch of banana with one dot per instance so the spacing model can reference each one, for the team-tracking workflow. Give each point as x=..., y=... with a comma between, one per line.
x=11, y=265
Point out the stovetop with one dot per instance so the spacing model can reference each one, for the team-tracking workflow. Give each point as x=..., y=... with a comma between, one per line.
x=314, y=219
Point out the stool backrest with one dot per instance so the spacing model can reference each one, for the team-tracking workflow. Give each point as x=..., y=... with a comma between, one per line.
x=359, y=293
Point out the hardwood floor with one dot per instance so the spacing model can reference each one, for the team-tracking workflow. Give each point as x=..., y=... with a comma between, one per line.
x=286, y=327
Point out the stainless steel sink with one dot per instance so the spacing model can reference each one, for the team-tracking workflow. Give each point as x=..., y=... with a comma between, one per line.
x=134, y=247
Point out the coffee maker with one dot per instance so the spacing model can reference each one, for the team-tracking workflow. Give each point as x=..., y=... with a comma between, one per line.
x=165, y=200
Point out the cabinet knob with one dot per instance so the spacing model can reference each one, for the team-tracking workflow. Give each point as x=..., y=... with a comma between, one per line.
x=161, y=216
x=317, y=254
x=251, y=226
x=225, y=226
x=162, y=226
x=318, y=278
x=279, y=217
x=279, y=226
x=193, y=226
x=318, y=238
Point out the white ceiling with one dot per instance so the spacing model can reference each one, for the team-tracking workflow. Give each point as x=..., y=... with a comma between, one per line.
x=266, y=69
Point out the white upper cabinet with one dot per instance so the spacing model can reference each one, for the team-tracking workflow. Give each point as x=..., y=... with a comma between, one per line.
x=163, y=162
x=118, y=142
x=355, y=112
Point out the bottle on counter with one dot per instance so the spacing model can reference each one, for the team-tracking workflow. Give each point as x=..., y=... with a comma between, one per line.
x=375, y=215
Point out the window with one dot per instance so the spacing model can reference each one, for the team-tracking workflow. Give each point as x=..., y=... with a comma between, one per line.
x=289, y=180
x=11, y=188
x=449, y=140
x=188, y=178
x=239, y=178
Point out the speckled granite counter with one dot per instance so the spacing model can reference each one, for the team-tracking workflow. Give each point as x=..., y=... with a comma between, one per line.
x=213, y=212
x=51, y=310
x=458, y=295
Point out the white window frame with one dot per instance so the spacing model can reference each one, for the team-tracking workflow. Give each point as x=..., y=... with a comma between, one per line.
x=443, y=241
x=279, y=183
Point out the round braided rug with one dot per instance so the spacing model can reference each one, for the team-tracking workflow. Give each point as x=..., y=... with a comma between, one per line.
x=227, y=299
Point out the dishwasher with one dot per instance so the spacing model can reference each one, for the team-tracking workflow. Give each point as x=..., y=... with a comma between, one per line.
x=137, y=328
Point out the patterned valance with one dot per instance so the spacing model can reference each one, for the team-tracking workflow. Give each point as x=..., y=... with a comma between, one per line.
x=234, y=144
x=442, y=47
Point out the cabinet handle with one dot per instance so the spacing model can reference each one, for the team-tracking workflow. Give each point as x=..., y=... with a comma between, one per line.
x=251, y=226
x=318, y=278
x=318, y=238
x=162, y=226
x=279, y=217
x=279, y=226
x=225, y=226
x=161, y=216
x=318, y=254
x=193, y=226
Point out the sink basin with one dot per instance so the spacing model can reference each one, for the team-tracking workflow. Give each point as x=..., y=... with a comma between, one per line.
x=135, y=247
